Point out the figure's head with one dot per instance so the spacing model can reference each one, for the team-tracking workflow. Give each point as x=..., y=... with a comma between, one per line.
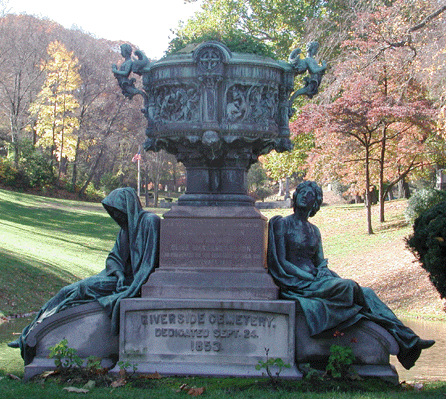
x=122, y=205
x=312, y=48
x=126, y=50
x=305, y=187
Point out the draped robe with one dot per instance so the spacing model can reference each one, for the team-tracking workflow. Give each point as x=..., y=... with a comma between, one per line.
x=328, y=301
x=135, y=254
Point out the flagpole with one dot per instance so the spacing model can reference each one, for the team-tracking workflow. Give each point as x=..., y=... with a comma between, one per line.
x=139, y=172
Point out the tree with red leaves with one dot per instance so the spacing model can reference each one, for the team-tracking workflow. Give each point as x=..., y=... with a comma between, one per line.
x=376, y=129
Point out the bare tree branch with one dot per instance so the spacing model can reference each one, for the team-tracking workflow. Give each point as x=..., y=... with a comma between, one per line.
x=422, y=24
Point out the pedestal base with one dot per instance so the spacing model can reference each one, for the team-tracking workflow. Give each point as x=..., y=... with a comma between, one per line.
x=209, y=253
x=210, y=285
x=87, y=328
x=206, y=337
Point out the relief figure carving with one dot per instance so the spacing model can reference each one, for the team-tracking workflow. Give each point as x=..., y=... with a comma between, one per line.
x=176, y=103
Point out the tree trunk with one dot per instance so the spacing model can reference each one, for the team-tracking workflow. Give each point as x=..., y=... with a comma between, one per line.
x=156, y=190
x=403, y=189
x=146, y=191
x=76, y=159
x=92, y=172
x=287, y=188
x=280, y=188
x=368, y=194
x=381, y=176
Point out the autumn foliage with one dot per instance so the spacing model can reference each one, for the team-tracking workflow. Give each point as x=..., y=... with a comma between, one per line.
x=377, y=123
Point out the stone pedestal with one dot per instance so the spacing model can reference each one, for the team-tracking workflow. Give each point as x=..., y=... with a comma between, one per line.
x=87, y=328
x=206, y=337
x=371, y=345
x=211, y=307
x=212, y=253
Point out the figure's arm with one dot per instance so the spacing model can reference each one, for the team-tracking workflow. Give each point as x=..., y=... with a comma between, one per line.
x=314, y=67
x=289, y=268
x=319, y=260
x=125, y=69
x=319, y=256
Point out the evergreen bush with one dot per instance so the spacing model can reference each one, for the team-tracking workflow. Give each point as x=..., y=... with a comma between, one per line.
x=421, y=201
x=428, y=243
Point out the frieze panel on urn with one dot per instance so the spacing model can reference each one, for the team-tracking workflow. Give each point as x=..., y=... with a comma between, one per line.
x=176, y=103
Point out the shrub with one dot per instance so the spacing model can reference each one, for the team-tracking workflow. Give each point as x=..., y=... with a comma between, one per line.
x=421, y=201
x=237, y=41
x=110, y=182
x=7, y=172
x=92, y=194
x=428, y=242
x=263, y=192
x=36, y=167
x=12, y=177
x=340, y=360
x=64, y=357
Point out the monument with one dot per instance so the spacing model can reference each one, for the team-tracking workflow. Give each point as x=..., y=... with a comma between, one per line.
x=211, y=307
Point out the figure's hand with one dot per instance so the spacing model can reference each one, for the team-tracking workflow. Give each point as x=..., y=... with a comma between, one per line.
x=114, y=68
x=120, y=285
x=324, y=272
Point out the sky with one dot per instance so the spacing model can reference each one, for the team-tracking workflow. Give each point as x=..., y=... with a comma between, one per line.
x=146, y=25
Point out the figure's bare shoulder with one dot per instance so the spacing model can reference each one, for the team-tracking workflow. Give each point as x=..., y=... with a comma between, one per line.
x=278, y=224
x=315, y=229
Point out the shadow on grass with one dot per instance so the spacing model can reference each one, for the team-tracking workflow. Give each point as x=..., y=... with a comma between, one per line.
x=31, y=283
x=392, y=225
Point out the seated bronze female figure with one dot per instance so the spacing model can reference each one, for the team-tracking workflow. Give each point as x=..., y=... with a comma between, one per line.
x=297, y=264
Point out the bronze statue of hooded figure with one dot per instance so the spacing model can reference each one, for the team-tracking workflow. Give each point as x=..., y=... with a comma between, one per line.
x=127, y=267
x=297, y=264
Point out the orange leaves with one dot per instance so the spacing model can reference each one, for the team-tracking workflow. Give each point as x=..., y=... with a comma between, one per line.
x=192, y=391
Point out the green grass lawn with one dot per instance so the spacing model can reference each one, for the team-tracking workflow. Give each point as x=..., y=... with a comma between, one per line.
x=48, y=243
x=218, y=388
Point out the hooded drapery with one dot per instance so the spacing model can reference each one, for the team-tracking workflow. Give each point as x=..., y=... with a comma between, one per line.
x=135, y=255
x=329, y=301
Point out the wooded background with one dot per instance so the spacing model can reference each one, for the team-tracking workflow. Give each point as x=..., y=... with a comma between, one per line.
x=378, y=121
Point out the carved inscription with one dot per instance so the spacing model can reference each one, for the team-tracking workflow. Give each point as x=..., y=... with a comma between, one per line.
x=198, y=243
x=169, y=333
x=204, y=332
x=223, y=326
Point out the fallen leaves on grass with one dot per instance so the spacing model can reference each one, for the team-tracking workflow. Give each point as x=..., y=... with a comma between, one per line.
x=120, y=382
x=13, y=377
x=154, y=376
x=195, y=391
x=75, y=390
x=409, y=386
x=49, y=373
x=192, y=391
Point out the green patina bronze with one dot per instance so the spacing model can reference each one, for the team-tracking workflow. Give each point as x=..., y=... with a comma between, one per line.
x=297, y=264
x=133, y=257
